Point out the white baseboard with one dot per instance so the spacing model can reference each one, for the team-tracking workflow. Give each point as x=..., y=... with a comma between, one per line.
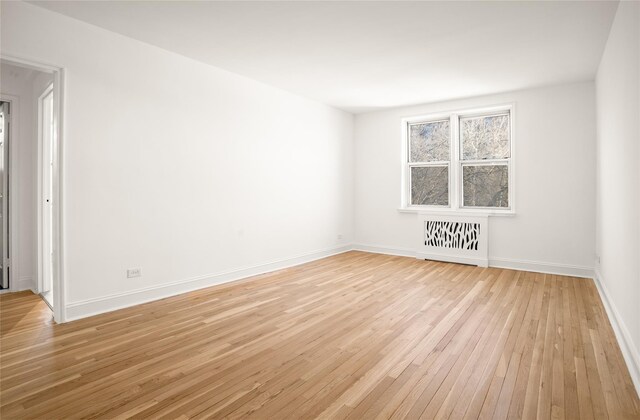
x=23, y=283
x=89, y=307
x=404, y=252
x=376, y=249
x=95, y=306
x=542, y=267
x=629, y=351
x=480, y=262
x=537, y=267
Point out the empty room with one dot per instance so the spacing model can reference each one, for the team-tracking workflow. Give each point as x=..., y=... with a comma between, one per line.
x=319, y=209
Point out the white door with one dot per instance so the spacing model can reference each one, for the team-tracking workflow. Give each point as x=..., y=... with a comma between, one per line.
x=47, y=127
x=4, y=194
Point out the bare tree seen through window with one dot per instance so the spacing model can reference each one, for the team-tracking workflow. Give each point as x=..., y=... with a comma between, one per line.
x=485, y=185
x=430, y=185
x=430, y=143
x=482, y=167
x=485, y=138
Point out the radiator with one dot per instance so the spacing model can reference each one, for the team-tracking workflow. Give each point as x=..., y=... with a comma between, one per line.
x=453, y=238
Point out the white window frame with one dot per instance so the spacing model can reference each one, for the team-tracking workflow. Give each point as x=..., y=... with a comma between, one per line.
x=456, y=163
x=432, y=164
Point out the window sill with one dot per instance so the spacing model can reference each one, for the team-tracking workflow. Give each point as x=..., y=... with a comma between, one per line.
x=459, y=212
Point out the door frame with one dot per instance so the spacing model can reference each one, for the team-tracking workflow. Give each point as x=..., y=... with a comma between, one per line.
x=12, y=223
x=58, y=258
x=43, y=223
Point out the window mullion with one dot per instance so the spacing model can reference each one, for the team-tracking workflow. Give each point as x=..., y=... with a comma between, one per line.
x=454, y=168
x=435, y=163
x=480, y=162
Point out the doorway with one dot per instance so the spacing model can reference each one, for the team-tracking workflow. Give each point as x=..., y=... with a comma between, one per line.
x=34, y=230
x=5, y=122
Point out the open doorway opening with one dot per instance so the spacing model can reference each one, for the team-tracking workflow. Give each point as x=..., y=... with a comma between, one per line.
x=30, y=225
x=5, y=122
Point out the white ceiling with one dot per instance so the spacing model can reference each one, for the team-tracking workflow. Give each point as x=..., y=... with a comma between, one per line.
x=362, y=56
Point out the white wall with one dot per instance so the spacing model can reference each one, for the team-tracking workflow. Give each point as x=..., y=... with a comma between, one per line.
x=26, y=85
x=618, y=179
x=180, y=168
x=554, y=131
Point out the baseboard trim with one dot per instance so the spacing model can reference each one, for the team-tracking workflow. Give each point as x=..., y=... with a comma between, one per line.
x=376, y=249
x=23, y=283
x=404, y=252
x=524, y=265
x=542, y=267
x=95, y=306
x=480, y=262
x=629, y=351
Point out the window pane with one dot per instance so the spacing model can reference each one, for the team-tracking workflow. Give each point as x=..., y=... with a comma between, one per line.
x=429, y=142
x=485, y=186
x=485, y=137
x=430, y=186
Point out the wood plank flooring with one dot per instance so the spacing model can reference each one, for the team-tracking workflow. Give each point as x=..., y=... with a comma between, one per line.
x=354, y=336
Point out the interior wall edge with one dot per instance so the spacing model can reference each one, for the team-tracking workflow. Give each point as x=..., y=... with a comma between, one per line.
x=629, y=350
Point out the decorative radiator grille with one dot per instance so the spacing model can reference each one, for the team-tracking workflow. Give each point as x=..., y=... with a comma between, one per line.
x=457, y=238
x=458, y=235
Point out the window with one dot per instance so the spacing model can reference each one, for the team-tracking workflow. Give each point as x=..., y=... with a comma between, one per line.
x=459, y=161
x=429, y=157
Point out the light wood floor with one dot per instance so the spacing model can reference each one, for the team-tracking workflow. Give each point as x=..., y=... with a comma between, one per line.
x=356, y=335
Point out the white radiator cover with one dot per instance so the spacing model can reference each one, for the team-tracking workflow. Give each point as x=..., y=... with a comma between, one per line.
x=454, y=238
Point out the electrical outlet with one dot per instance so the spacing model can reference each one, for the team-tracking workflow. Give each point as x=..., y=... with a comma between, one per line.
x=134, y=272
